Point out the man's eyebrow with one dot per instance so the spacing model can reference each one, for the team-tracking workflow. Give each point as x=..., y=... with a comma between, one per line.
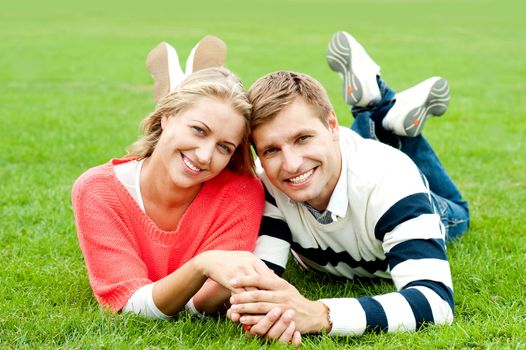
x=302, y=132
x=291, y=138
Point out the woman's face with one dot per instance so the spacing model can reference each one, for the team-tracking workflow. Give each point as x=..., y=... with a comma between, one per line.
x=198, y=143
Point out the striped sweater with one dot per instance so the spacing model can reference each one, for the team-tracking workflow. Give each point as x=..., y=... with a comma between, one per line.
x=385, y=226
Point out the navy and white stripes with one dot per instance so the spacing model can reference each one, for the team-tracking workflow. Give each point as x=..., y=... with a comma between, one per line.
x=390, y=230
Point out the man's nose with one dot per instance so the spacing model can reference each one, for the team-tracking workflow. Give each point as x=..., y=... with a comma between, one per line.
x=292, y=160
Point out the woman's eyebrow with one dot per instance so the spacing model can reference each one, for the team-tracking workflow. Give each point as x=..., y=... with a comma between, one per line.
x=201, y=122
x=210, y=130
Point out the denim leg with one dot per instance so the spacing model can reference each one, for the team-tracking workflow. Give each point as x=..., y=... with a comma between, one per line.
x=367, y=120
x=446, y=197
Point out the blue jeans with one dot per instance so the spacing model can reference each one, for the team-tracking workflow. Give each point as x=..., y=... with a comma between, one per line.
x=446, y=197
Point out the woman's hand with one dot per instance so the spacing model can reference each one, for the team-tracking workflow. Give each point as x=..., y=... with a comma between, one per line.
x=277, y=325
x=225, y=266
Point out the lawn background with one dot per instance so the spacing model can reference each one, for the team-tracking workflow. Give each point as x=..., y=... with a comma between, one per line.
x=73, y=89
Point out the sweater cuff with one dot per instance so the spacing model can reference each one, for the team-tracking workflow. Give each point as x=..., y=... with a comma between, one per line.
x=141, y=302
x=190, y=307
x=347, y=316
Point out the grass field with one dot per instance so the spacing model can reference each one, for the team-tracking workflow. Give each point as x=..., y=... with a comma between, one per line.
x=73, y=89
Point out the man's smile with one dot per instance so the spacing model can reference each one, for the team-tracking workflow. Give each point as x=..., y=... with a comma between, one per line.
x=298, y=180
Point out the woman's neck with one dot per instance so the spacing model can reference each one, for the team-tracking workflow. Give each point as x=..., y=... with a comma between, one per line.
x=164, y=202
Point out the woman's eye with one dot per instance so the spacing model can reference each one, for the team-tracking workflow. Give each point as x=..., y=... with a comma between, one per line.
x=225, y=149
x=199, y=130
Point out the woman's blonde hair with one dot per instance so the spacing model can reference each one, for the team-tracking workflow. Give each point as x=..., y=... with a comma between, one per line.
x=217, y=82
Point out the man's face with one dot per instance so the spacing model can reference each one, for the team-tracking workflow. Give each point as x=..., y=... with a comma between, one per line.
x=300, y=155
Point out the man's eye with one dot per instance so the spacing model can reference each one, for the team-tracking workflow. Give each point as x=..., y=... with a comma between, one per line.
x=303, y=138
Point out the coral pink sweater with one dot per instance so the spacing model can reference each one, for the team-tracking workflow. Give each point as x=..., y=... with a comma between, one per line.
x=124, y=249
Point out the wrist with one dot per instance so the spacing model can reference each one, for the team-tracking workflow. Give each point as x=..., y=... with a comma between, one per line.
x=321, y=320
x=199, y=264
x=326, y=319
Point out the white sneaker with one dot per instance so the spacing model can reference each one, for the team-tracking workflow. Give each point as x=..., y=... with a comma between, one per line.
x=163, y=64
x=209, y=52
x=346, y=56
x=414, y=105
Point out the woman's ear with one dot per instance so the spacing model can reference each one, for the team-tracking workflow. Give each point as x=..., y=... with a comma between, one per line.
x=164, y=120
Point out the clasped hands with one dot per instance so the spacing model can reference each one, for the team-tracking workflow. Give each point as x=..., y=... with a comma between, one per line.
x=271, y=308
x=267, y=305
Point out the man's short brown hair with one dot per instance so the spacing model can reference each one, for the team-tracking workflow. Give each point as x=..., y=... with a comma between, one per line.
x=272, y=93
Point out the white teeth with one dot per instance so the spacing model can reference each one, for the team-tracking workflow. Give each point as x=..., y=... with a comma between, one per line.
x=190, y=164
x=302, y=177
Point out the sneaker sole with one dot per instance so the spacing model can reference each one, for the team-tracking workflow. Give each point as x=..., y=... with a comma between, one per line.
x=343, y=54
x=435, y=105
x=157, y=64
x=339, y=58
x=211, y=52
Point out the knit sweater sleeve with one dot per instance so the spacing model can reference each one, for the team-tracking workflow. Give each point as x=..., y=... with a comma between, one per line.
x=413, y=242
x=114, y=266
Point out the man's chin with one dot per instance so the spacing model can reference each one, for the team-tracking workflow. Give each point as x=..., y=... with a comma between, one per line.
x=298, y=197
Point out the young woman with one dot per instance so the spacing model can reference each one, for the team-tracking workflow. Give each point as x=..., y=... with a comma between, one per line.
x=174, y=221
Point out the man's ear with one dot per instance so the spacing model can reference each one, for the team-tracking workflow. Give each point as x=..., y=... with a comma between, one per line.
x=334, y=127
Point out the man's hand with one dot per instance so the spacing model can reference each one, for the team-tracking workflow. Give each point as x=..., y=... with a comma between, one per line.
x=255, y=307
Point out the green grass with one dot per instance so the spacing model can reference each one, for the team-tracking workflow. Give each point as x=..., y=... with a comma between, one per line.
x=73, y=89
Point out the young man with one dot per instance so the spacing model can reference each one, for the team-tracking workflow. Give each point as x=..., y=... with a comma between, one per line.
x=348, y=205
